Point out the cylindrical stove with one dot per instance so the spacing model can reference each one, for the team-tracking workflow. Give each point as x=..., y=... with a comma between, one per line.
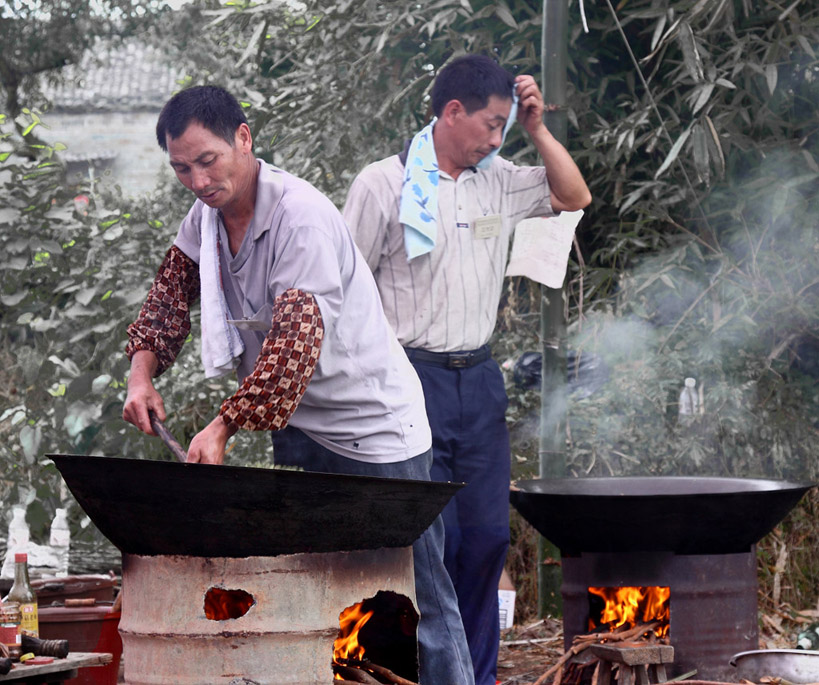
x=712, y=602
x=695, y=537
x=273, y=620
x=240, y=575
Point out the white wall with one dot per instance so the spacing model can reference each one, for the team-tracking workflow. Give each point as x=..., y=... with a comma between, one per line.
x=121, y=145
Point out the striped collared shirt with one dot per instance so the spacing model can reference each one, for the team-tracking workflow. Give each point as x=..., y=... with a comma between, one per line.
x=446, y=300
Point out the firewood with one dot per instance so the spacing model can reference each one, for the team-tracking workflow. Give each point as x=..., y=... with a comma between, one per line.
x=392, y=678
x=581, y=642
x=572, y=651
x=616, y=635
x=596, y=674
x=354, y=674
x=387, y=673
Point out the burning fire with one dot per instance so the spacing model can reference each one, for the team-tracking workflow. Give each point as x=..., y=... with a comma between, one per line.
x=628, y=606
x=346, y=646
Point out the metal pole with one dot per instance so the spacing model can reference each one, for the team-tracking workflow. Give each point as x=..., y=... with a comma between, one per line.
x=552, y=452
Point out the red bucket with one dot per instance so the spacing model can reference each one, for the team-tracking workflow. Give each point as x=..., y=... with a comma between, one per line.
x=87, y=629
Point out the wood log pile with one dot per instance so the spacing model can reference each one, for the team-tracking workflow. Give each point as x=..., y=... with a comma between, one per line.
x=353, y=671
x=579, y=664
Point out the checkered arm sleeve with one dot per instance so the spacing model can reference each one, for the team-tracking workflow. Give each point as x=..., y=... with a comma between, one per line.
x=269, y=396
x=164, y=321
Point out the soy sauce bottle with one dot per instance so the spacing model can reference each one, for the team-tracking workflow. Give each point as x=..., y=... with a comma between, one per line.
x=22, y=593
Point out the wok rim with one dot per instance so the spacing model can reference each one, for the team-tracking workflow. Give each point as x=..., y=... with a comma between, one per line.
x=769, y=485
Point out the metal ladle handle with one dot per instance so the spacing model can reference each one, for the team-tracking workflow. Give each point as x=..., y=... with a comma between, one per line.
x=167, y=438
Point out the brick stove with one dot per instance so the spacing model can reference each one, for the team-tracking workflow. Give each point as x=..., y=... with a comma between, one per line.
x=695, y=536
x=288, y=551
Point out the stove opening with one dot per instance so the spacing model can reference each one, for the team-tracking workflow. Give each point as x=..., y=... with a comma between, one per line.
x=222, y=604
x=377, y=634
x=621, y=608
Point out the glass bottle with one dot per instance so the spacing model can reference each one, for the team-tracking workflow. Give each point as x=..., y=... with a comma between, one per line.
x=22, y=593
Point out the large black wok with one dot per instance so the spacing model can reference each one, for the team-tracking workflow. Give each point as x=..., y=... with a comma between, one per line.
x=685, y=515
x=162, y=507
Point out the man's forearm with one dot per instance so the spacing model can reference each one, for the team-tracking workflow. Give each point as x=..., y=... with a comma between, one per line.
x=569, y=190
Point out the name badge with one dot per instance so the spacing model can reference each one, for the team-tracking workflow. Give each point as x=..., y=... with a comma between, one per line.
x=487, y=227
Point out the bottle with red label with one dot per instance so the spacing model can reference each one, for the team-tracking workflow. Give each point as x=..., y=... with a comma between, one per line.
x=23, y=594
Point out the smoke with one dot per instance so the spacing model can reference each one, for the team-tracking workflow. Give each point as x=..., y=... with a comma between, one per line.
x=735, y=305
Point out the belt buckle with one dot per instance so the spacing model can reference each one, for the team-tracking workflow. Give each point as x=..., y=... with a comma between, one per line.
x=459, y=360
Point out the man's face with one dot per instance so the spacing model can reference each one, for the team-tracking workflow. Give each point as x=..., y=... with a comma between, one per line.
x=481, y=132
x=206, y=164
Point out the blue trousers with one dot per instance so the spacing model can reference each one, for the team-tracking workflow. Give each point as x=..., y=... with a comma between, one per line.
x=443, y=654
x=470, y=444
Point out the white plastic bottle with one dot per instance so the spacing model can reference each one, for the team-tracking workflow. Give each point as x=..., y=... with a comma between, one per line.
x=60, y=541
x=17, y=540
x=689, y=402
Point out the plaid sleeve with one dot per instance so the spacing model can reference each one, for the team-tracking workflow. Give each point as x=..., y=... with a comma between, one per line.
x=164, y=321
x=269, y=396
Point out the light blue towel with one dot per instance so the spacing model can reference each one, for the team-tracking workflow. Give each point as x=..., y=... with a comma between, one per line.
x=418, y=210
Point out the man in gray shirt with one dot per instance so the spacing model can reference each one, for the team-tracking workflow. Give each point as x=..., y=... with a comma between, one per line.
x=289, y=305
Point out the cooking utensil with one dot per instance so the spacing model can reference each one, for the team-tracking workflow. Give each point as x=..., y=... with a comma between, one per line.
x=686, y=515
x=793, y=665
x=169, y=440
x=163, y=507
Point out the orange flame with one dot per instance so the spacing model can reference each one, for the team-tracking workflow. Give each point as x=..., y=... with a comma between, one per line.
x=346, y=645
x=628, y=606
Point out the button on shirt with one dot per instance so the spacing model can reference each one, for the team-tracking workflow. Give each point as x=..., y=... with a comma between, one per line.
x=446, y=300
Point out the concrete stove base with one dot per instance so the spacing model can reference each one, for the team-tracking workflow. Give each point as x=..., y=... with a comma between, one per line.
x=285, y=638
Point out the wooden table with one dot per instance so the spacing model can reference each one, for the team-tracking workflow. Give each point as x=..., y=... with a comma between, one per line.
x=58, y=671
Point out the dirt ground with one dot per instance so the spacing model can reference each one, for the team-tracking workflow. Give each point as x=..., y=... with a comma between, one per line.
x=528, y=651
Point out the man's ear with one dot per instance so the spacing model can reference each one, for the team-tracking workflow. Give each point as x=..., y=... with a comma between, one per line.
x=243, y=139
x=452, y=111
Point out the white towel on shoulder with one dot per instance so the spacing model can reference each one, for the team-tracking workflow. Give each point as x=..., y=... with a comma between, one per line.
x=221, y=343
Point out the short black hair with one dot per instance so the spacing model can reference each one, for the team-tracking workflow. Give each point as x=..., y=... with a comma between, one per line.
x=211, y=106
x=472, y=80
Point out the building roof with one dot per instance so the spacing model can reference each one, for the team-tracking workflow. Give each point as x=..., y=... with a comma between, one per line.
x=124, y=78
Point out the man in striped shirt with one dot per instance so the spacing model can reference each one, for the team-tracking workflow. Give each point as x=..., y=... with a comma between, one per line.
x=443, y=303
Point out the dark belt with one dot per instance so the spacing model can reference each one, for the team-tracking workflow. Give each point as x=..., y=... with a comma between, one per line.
x=449, y=360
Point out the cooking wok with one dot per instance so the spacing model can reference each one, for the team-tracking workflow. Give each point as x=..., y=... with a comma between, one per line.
x=685, y=515
x=163, y=507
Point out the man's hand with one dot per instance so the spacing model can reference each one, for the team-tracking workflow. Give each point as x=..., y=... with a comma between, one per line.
x=208, y=445
x=568, y=189
x=142, y=395
x=530, y=103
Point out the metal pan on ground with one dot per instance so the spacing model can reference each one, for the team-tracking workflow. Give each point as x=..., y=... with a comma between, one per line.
x=161, y=507
x=791, y=665
x=680, y=514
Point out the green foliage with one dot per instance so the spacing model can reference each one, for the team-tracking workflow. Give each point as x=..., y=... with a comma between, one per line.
x=73, y=276
x=335, y=86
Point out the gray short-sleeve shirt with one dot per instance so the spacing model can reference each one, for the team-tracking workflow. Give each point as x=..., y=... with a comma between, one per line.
x=364, y=400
